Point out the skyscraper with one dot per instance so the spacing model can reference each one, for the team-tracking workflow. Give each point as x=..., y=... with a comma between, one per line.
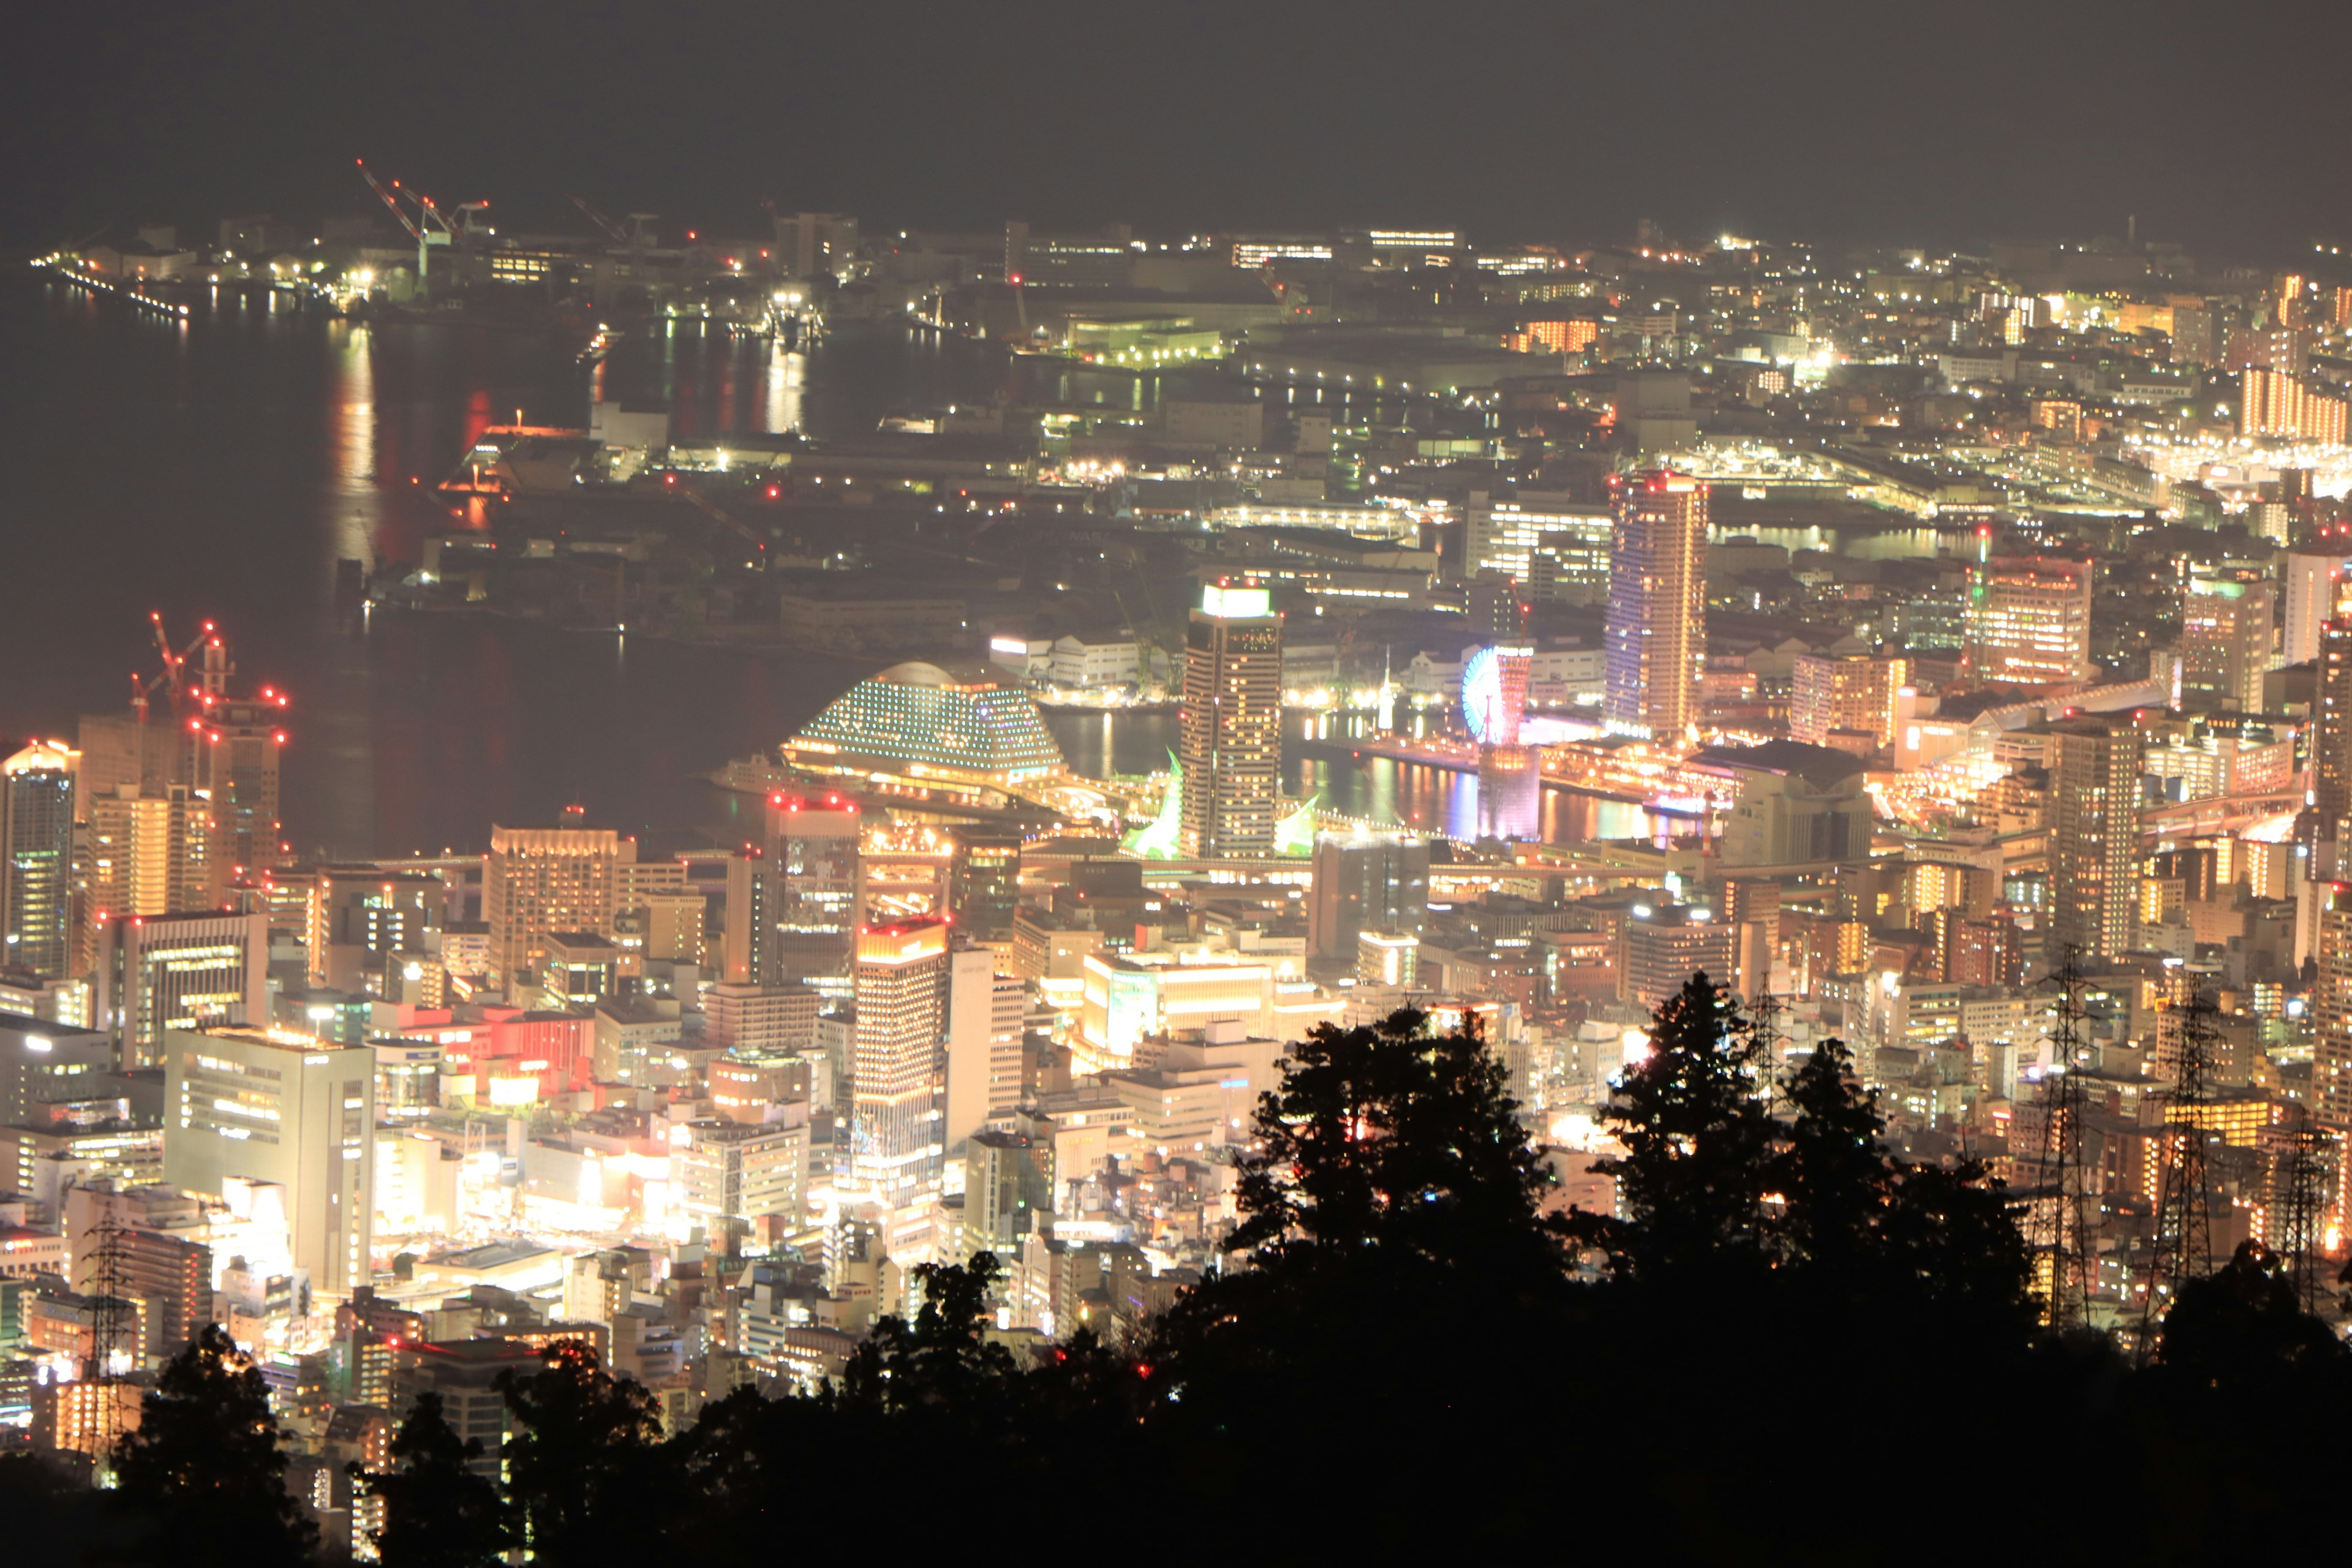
x=2094, y=834
x=984, y=880
x=1231, y=726
x=1366, y=881
x=812, y=892
x=983, y=1042
x=2028, y=619
x=2331, y=739
x=541, y=879
x=897, y=1061
x=149, y=854
x=1655, y=637
x=36, y=837
x=2313, y=572
x=2226, y=628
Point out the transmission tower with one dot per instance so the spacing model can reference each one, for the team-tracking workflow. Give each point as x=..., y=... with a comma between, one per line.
x=2304, y=1200
x=112, y=1323
x=2182, y=1251
x=2061, y=1222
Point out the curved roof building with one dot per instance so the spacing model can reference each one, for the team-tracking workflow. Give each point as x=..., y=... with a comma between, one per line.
x=923, y=721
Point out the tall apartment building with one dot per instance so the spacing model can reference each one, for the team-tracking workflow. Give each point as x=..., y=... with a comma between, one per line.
x=1855, y=694
x=2278, y=403
x=536, y=880
x=2331, y=1001
x=2226, y=628
x=1665, y=944
x=2331, y=737
x=1231, y=726
x=2095, y=777
x=37, y=844
x=2313, y=575
x=151, y=854
x=897, y=1062
x=1655, y=636
x=260, y=1105
x=2028, y=619
x=159, y=973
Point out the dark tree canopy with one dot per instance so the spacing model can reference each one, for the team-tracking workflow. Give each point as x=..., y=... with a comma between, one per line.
x=205, y=1465
x=439, y=1510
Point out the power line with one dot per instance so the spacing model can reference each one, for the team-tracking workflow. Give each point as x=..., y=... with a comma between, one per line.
x=2182, y=1247
x=2062, y=1224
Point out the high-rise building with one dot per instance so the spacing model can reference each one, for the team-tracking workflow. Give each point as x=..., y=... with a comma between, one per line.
x=2226, y=628
x=2313, y=573
x=2095, y=786
x=743, y=1172
x=1667, y=944
x=2029, y=619
x=234, y=759
x=760, y=1020
x=37, y=842
x=1231, y=726
x=1366, y=881
x=984, y=881
x=896, y=1061
x=1008, y=1190
x=265, y=1105
x=151, y=854
x=2331, y=1005
x=983, y=1042
x=810, y=899
x=43, y=1064
x=536, y=880
x=1855, y=694
x=157, y=973
x=1655, y=636
x=2278, y=403
x=2331, y=734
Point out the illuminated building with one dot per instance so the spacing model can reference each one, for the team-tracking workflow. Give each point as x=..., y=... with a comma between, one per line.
x=1665, y=944
x=1008, y=1190
x=2095, y=769
x=2331, y=733
x=896, y=1148
x=1231, y=724
x=810, y=877
x=37, y=841
x=2278, y=403
x=1855, y=694
x=360, y=920
x=1131, y=999
x=2312, y=573
x=984, y=881
x=760, y=1020
x=2226, y=628
x=1495, y=693
x=43, y=1064
x=919, y=724
x=2331, y=1005
x=2028, y=619
x=264, y=1106
x=541, y=879
x=1656, y=639
x=1510, y=792
x=151, y=854
x=580, y=970
x=1797, y=805
x=179, y=972
x=1511, y=537
x=1366, y=881
x=1387, y=958
x=741, y=1171
x=983, y=1042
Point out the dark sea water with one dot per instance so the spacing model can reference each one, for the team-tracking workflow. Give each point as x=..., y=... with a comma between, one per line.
x=217, y=468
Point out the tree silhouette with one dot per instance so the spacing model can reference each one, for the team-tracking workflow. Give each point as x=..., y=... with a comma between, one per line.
x=941, y=1360
x=588, y=1479
x=439, y=1511
x=1698, y=1144
x=205, y=1465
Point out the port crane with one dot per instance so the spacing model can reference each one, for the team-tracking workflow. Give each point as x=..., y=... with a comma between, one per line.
x=426, y=238
x=618, y=235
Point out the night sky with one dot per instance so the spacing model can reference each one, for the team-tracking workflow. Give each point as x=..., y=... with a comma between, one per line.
x=2220, y=126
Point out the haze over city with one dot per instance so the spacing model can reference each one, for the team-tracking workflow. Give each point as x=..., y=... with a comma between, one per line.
x=1326, y=779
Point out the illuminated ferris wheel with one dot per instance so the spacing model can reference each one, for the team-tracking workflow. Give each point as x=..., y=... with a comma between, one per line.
x=1495, y=694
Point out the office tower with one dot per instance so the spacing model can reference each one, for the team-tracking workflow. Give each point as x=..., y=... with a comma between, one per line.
x=1853, y=694
x=233, y=758
x=361, y=919
x=2095, y=788
x=157, y=973
x=1231, y=726
x=1655, y=637
x=262, y=1106
x=896, y=1062
x=536, y=880
x=756, y=1021
x=1366, y=881
x=151, y=854
x=2028, y=619
x=739, y=1172
x=1513, y=537
x=2312, y=573
x=983, y=1042
x=812, y=896
x=43, y=1064
x=37, y=842
x=1667, y=944
x=984, y=881
x=2226, y=628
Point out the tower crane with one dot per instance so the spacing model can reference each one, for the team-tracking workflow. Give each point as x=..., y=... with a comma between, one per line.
x=619, y=235
x=169, y=677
